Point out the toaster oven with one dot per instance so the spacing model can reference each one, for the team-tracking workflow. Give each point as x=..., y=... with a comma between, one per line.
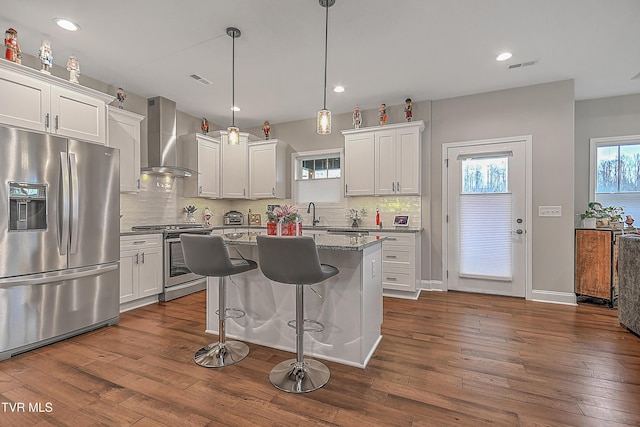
x=233, y=218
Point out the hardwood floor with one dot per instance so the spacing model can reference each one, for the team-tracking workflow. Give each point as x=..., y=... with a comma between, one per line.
x=446, y=359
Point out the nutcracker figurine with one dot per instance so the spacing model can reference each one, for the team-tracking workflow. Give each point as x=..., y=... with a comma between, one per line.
x=357, y=118
x=46, y=57
x=266, y=129
x=205, y=126
x=73, y=67
x=13, y=52
x=121, y=97
x=382, y=114
x=408, y=109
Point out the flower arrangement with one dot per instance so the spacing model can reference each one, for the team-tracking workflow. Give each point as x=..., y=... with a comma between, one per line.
x=603, y=214
x=284, y=213
x=356, y=215
x=190, y=209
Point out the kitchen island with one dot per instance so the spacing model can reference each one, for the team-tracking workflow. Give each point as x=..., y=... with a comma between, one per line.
x=348, y=304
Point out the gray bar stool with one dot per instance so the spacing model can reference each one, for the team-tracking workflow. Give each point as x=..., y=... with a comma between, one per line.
x=208, y=256
x=294, y=260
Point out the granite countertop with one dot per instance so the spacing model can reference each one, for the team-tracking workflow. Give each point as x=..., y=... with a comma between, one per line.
x=328, y=227
x=323, y=241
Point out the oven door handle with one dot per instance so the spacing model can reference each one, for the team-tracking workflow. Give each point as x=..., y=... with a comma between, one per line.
x=174, y=240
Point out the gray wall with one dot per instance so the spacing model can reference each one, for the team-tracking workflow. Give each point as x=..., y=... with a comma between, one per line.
x=546, y=112
x=596, y=118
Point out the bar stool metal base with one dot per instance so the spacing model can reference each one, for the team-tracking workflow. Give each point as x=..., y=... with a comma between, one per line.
x=217, y=355
x=293, y=377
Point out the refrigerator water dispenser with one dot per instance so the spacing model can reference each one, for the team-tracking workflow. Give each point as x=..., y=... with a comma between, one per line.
x=27, y=206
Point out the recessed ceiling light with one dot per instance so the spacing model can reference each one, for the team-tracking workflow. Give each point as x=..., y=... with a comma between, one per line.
x=338, y=89
x=235, y=108
x=504, y=56
x=66, y=24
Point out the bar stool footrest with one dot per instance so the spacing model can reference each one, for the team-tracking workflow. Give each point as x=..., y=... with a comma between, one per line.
x=317, y=326
x=232, y=313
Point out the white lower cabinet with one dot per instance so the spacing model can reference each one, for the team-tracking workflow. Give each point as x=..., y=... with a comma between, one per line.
x=400, y=261
x=140, y=270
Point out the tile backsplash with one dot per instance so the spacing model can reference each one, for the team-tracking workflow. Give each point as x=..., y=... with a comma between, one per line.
x=159, y=202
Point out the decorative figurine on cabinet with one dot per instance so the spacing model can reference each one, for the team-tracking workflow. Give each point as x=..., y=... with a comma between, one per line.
x=408, y=109
x=13, y=52
x=382, y=114
x=205, y=129
x=46, y=57
x=266, y=129
x=73, y=67
x=121, y=97
x=629, y=221
x=357, y=118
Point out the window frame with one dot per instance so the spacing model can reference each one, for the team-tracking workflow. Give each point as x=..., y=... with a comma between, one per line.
x=296, y=168
x=594, y=143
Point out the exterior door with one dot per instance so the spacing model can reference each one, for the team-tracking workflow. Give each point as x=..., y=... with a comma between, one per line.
x=486, y=214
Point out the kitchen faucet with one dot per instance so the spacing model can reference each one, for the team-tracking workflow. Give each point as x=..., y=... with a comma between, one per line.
x=314, y=220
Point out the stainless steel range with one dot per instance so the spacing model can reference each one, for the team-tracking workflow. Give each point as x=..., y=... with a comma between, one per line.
x=177, y=280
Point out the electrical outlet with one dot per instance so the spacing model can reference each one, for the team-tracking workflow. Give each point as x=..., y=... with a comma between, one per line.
x=549, y=210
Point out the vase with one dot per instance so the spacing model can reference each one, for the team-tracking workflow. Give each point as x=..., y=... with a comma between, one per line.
x=589, y=222
x=191, y=218
x=272, y=228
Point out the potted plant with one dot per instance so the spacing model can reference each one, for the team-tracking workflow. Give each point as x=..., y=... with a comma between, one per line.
x=614, y=216
x=590, y=216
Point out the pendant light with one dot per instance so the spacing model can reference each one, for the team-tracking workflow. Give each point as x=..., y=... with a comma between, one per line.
x=324, y=115
x=233, y=133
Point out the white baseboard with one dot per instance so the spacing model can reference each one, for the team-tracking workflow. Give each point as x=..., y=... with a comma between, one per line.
x=130, y=305
x=553, y=297
x=401, y=294
x=566, y=298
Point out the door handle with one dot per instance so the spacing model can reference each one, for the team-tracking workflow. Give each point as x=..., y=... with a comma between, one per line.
x=393, y=187
x=142, y=257
x=200, y=190
x=519, y=231
x=137, y=259
x=46, y=120
x=57, y=121
x=75, y=205
x=64, y=215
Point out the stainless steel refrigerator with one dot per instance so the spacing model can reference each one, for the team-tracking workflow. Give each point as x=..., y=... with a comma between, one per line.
x=59, y=238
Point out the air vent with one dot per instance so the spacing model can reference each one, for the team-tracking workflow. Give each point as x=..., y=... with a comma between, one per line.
x=200, y=79
x=521, y=65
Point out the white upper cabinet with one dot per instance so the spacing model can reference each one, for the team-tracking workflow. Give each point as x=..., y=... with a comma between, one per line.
x=267, y=170
x=202, y=154
x=359, y=167
x=235, y=168
x=45, y=103
x=383, y=160
x=124, y=134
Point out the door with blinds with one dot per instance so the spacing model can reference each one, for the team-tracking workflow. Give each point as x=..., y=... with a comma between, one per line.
x=486, y=218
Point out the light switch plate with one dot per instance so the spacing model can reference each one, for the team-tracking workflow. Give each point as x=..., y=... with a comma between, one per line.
x=549, y=210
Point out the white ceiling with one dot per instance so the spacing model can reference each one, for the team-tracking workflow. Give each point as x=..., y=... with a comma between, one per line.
x=379, y=50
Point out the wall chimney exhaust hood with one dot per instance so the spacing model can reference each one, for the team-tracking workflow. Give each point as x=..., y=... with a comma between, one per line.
x=163, y=140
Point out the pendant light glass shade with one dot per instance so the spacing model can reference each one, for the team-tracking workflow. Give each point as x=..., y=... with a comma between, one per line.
x=324, y=122
x=233, y=133
x=323, y=125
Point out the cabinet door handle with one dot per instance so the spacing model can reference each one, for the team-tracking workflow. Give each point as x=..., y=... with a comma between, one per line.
x=398, y=186
x=392, y=279
x=273, y=191
x=46, y=120
x=139, y=242
x=393, y=187
x=391, y=256
x=346, y=188
x=57, y=121
x=138, y=183
x=137, y=259
x=244, y=192
x=391, y=239
x=142, y=257
x=200, y=190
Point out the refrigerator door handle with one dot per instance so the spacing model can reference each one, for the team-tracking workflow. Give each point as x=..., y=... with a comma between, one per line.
x=57, y=276
x=63, y=236
x=75, y=205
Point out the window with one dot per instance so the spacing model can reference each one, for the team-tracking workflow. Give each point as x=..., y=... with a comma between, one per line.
x=317, y=176
x=321, y=168
x=615, y=172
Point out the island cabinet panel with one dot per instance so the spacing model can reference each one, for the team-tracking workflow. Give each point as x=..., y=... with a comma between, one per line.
x=595, y=263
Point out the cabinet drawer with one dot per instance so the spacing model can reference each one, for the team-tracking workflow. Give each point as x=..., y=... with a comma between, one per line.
x=400, y=279
x=140, y=241
x=399, y=239
x=403, y=256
